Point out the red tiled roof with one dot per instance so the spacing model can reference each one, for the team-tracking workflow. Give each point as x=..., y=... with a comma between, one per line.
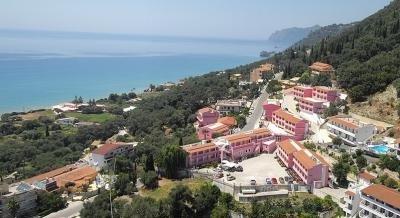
x=206, y=109
x=350, y=193
x=106, y=148
x=304, y=159
x=197, y=148
x=365, y=175
x=286, y=116
x=288, y=147
x=50, y=174
x=343, y=122
x=229, y=121
x=383, y=193
x=218, y=127
x=321, y=67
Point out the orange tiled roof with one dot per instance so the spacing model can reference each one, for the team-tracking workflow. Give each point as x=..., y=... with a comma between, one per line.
x=350, y=193
x=383, y=193
x=197, y=148
x=319, y=66
x=50, y=174
x=366, y=176
x=397, y=141
x=79, y=176
x=288, y=147
x=304, y=159
x=229, y=121
x=206, y=109
x=287, y=116
x=324, y=88
x=343, y=122
x=218, y=127
x=237, y=137
x=107, y=148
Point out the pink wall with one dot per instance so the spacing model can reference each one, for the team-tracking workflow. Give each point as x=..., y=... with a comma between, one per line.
x=300, y=130
x=325, y=94
x=311, y=107
x=302, y=92
x=207, y=117
x=199, y=159
x=287, y=159
x=269, y=108
x=206, y=133
x=313, y=174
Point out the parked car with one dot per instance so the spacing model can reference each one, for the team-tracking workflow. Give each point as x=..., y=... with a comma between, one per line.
x=281, y=180
x=230, y=178
x=252, y=182
x=287, y=178
x=219, y=175
x=268, y=181
x=239, y=168
x=274, y=181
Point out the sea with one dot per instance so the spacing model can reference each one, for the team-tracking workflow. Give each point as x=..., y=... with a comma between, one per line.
x=39, y=68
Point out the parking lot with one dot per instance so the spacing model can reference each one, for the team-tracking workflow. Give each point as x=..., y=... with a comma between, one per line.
x=258, y=168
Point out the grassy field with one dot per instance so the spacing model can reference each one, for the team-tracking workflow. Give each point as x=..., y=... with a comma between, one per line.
x=94, y=118
x=35, y=115
x=167, y=185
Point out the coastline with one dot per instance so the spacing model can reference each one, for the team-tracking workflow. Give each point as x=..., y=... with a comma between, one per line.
x=142, y=81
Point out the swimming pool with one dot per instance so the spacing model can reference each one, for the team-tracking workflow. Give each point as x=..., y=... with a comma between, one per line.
x=380, y=149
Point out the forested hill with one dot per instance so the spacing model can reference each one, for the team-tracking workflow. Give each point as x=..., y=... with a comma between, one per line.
x=366, y=55
x=287, y=37
x=317, y=35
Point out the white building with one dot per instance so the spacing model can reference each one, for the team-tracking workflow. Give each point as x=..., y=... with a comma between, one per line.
x=379, y=201
x=24, y=194
x=103, y=155
x=370, y=200
x=350, y=130
x=224, y=107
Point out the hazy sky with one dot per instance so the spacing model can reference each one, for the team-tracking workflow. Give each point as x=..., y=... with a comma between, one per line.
x=251, y=19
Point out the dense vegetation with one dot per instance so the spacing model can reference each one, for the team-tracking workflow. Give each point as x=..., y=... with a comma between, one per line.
x=365, y=54
x=207, y=201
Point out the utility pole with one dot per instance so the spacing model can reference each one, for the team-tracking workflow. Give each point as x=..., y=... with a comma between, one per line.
x=112, y=176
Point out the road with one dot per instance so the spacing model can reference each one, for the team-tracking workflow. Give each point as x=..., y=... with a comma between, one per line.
x=253, y=120
x=72, y=210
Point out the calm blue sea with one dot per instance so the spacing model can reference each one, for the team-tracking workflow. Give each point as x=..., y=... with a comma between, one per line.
x=42, y=69
x=35, y=83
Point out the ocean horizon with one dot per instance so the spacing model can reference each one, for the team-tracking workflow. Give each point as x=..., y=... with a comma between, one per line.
x=40, y=82
x=39, y=69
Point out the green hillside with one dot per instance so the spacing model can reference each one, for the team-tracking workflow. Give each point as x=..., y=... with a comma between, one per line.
x=366, y=55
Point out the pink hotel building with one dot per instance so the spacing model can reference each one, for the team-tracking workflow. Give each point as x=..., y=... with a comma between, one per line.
x=308, y=165
x=207, y=116
x=233, y=147
x=312, y=99
x=295, y=126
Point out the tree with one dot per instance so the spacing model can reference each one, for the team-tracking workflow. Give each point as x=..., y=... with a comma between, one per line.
x=13, y=207
x=340, y=171
x=361, y=162
x=181, y=200
x=205, y=198
x=337, y=141
x=141, y=207
x=273, y=86
x=100, y=207
x=149, y=163
x=122, y=184
x=48, y=202
x=171, y=159
x=332, y=110
x=150, y=179
x=220, y=211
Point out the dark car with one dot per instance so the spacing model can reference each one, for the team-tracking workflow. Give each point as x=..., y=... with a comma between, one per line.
x=287, y=178
x=274, y=181
x=281, y=180
x=239, y=168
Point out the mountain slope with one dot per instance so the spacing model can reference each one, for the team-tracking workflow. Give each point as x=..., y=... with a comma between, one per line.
x=366, y=55
x=317, y=35
x=287, y=37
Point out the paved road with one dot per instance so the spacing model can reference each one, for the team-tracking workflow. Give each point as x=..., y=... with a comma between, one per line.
x=72, y=210
x=253, y=120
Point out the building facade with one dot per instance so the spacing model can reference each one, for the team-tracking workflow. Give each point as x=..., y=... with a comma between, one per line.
x=198, y=154
x=302, y=91
x=311, y=105
x=207, y=116
x=295, y=126
x=103, y=155
x=308, y=165
x=269, y=107
x=325, y=93
x=22, y=193
x=350, y=130
x=379, y=201
x=222, y=127
x=257, y=75
x=224, y=107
